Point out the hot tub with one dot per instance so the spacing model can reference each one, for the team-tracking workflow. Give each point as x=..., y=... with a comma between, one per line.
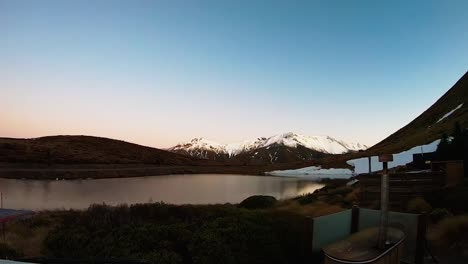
x=361, y=247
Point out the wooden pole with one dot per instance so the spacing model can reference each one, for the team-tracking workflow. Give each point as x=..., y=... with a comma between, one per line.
x=3, y=224
x=370, y=166
x=354, y=219
x=382, y=239
x=310, y=226
x=420, y=238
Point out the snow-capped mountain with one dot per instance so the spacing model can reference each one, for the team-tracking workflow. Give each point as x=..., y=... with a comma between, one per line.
x=293, y=146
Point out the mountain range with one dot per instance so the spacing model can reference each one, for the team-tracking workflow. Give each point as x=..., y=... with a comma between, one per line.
x=279, y=148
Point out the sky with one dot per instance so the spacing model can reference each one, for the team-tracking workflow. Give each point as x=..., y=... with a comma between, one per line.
x=162, y=72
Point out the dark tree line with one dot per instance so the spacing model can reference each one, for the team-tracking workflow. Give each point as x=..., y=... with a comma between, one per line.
x=453, y=147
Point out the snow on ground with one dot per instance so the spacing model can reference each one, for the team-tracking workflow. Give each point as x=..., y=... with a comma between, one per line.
x=449, y=113
x=362, y=165
x=314, y=172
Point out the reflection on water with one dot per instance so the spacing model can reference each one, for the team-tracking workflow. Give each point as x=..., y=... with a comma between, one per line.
x=177, y=189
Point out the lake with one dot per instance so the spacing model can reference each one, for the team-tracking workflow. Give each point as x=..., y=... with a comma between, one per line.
x=175, y=189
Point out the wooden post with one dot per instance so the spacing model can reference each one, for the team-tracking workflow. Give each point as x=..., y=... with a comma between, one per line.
x=370, y=166
x=420, y=238
x=310, y=224
x=384, y=197
x=354, y=219
x=3, y=224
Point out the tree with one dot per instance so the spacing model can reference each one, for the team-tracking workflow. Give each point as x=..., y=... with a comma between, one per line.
x=443, y=149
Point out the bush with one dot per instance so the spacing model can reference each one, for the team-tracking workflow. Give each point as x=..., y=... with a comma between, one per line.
x=236, y=239
x=258, y=202
x=306, y=199
x=163, y=256
x=352, y=197
x=162, y=233
x=452, y=232
x=336, y=199
x=454, y=198
x=7, y=252
x=344, y=190
x=457, y=199
x=294, y=233
x=418, y=205
x=439, y=213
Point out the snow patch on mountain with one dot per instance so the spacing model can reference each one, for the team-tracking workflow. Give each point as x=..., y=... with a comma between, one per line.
x=450, y=113
x=200, y=143
x=323, y=144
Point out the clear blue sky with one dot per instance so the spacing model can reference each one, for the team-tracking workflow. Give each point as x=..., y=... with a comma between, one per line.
x=161, y=72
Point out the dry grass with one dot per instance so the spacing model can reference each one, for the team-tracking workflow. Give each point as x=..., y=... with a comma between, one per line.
x=418, y=205
x=450, y=236
x=27, y=236
x=84, y=150
x=315, y=209
x=353, y=197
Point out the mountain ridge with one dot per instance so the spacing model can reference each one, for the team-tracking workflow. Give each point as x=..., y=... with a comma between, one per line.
x=317, y=145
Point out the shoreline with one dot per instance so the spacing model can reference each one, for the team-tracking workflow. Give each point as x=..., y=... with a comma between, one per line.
x=85, y=172
x=107, y=171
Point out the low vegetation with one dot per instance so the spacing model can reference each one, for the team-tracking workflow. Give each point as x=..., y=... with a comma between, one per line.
x=258, y=230
x=258, y=202
x=7, y=252
x=450, y=237
x=418, y=205
x=453, y=198
x=439, y=214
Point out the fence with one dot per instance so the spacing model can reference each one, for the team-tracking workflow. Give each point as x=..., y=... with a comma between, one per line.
x=403, y=187
x=331, y=228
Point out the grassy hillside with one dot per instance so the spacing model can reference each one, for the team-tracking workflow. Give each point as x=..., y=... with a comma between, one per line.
x=84, y=149
x=425, y=128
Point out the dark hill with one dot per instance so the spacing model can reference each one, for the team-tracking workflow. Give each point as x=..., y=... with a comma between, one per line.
x=84, y=150
x=425, y=128
x=422, y=130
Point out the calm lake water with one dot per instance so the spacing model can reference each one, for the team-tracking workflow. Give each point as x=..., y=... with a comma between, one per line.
x=176, y=189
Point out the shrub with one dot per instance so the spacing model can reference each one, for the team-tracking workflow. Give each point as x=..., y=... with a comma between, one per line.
x=352, y=197
x=451, y=234
x=334, y=199
x=341, y=190
x=453, y=198
x=258, y=202
x=236, y=239
x=418, y=205
x=163, y=256
x=306, y=199
x=294, y=233
x=438, y=214
x=8, y=252
x=457, y=199
x=162, y=233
